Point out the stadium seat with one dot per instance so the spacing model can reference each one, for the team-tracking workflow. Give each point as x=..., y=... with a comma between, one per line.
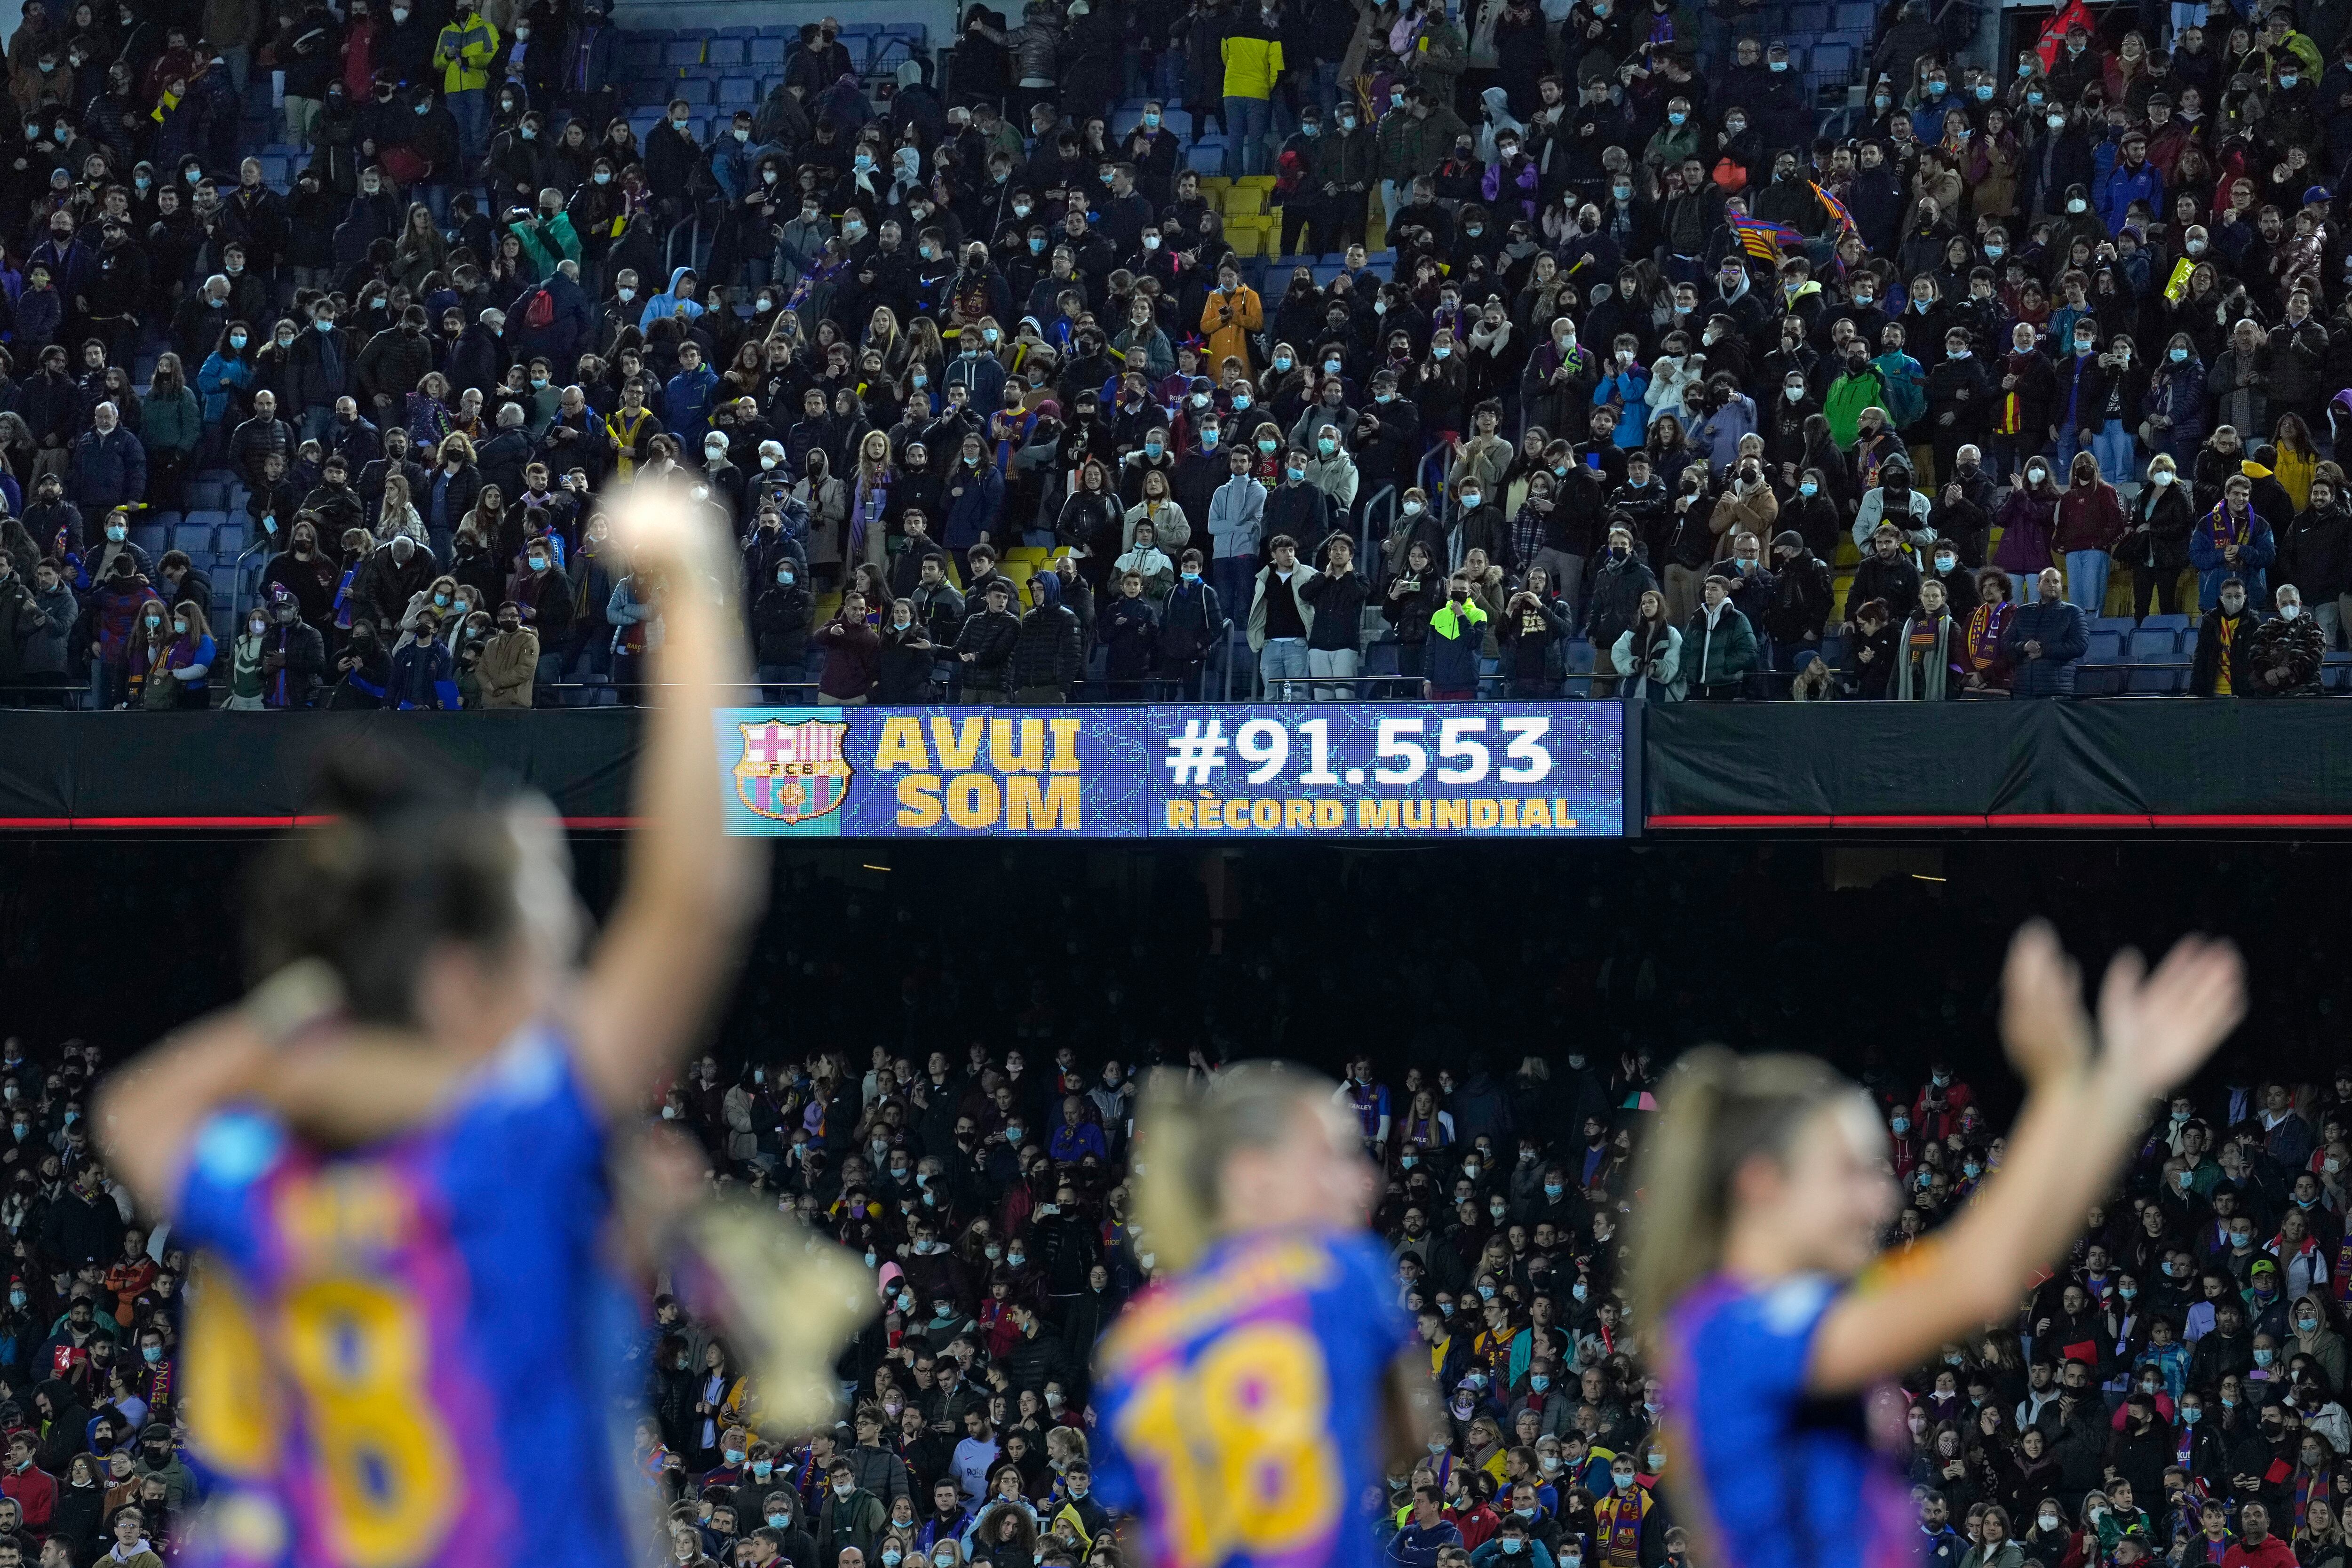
x=198, y=536
x=685, y=54
x=147, y=537
x=2123, y=626
x=2165, y=624
x=767, y=51
x=1806, y=20
x=2155, y=647
x=739, y=92
x=2336, y=672
x=1833, y=62
x=2106, y=648
x=211, y=526
x=695, y=89
x=208, y=495
x=724, y=51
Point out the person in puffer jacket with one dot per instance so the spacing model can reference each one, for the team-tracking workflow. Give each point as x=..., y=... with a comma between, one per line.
x=1456, y=634
x=985, y=644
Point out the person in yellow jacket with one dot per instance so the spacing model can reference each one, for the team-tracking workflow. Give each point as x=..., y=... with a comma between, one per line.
x=1252, y=52
x=1228, y=315
x=463, y=54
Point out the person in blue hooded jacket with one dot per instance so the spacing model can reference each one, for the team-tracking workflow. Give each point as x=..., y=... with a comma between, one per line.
x=677, y=300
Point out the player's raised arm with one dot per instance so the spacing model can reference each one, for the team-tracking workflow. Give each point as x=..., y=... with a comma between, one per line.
x=145, y=1114
x=2083, y=1114
x=691, y=894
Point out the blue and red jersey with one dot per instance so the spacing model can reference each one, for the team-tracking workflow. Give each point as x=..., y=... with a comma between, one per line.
x=390, y=1350
x=1241, y=1405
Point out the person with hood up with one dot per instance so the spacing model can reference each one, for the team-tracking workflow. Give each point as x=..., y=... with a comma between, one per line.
x=677, y=301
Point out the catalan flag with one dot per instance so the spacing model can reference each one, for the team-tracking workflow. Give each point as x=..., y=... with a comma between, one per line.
x=1763, y=240
x=1837, y=210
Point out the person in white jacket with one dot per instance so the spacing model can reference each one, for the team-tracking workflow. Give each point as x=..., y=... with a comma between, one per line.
x=1648, y=657
x=1148, y=561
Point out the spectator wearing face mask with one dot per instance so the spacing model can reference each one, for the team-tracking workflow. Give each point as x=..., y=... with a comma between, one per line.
x=2284, y=655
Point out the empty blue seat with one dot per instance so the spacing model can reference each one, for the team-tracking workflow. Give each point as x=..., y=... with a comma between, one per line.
x=147, y=537
x=685, y=54
x=2165, y=624
x=2123, y=626
x=767, y=52
x=2336, y=672
x=208, y=495
x=1806, y=20
x=695, y=89
x=2154, y=647
x=1855, y=16
x=739, y=92
x=723, y=50
x=745, y=33
x=2106, y=648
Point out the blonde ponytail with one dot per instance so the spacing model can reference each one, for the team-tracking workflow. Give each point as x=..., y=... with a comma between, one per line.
x=1185, y=1134
x=1714, y=1110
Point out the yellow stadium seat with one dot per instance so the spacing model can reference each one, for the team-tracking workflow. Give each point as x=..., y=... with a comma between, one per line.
x=1255, y=182
x=1241, y=202
x=1244, y=241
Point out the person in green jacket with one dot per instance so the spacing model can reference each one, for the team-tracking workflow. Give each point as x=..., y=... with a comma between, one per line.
x=1412, y=138
x=1857, y=387
x=548, y=236
x=170, y=424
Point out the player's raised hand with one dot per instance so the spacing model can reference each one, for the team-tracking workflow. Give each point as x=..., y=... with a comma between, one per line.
x=2042, y=1017
x=2160, y=1027
x=654, y=524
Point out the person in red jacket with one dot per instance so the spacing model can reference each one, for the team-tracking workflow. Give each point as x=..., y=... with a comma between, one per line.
x=2256, y=1547
x=1936, y=1114
x=853, y=655
x=34, y=1490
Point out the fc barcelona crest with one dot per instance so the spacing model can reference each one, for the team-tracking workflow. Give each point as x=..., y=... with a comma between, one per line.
x=792, y=772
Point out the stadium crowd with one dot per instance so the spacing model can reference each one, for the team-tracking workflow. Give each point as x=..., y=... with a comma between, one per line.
x=1648, y=365
x=2173, y=1392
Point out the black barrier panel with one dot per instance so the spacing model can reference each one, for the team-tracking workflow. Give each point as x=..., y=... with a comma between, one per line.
x=2175, y=760
x=221, y=769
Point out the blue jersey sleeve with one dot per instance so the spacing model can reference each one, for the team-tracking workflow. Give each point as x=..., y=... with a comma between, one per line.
x=231, y=1159
x=1371, y=1284
x=1761, y=1345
